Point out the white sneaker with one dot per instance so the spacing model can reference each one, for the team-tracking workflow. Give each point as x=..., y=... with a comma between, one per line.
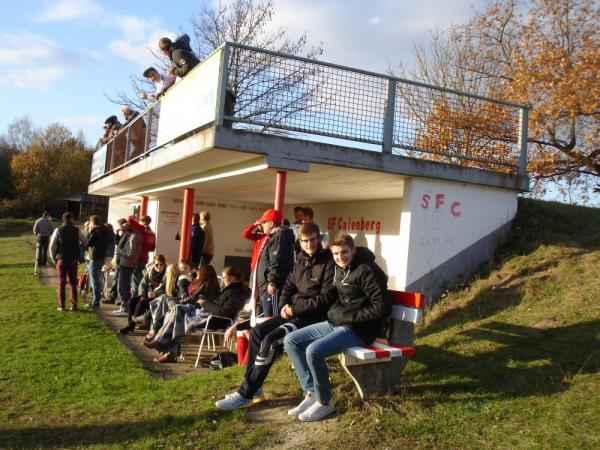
x=120, y=312
x=303, y=406
x=317, y=411
x=233, y=401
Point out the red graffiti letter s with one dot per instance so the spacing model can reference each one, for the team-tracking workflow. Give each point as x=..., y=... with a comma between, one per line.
x=425, y=202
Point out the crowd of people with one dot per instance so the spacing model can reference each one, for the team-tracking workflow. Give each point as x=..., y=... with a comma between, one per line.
x=315, y=300
x=182, y=59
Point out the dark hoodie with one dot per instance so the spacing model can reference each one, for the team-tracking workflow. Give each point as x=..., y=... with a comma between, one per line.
x=182, y=56
x=230, y=301
x=307, y=286
x=363, y=301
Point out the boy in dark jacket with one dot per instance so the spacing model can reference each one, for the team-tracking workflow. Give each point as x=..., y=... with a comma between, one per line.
x=362, y=302
x=305, y=301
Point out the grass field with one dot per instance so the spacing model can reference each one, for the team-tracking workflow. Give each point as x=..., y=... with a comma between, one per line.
x=510, y=361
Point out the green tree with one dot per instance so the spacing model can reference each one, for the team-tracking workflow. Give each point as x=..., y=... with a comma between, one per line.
x=53, y=166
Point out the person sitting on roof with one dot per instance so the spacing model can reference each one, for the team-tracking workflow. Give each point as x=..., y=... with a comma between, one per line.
x=180, y=53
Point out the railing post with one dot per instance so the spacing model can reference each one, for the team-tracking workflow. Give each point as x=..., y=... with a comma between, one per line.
x=127, y=143
x=112, y=154
x=148, y=127
x=222, y=91
x=388, y=124
x=522, y=140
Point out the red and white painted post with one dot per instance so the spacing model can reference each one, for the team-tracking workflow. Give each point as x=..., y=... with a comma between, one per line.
x=143, y=206
x=186, y=223
x=280, y=190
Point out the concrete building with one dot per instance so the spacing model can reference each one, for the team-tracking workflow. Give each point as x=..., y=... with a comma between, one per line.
x=427, y=178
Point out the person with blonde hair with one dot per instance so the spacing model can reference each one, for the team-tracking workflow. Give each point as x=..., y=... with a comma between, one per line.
x=151, y=287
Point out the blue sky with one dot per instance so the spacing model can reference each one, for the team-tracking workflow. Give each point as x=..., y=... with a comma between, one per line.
x=59, y=58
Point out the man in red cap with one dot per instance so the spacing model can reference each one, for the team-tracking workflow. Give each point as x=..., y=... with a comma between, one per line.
x=275, y=261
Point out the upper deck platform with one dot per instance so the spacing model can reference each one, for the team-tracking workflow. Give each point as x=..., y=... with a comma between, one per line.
x=245, y=109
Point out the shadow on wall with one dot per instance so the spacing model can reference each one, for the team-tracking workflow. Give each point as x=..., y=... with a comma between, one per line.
x=360, y=240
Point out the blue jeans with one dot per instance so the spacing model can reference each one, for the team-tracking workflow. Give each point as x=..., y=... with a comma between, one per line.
x=309, y=347
x=42, y=249
x=124, y=285
x=95, y=269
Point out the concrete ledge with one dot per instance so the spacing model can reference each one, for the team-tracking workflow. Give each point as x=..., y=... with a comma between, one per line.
x=320, y=153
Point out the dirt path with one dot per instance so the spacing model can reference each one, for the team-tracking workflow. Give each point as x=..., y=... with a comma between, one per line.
x=133, y=341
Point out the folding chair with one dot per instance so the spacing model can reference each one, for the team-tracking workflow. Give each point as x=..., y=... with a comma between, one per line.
x=206, y=332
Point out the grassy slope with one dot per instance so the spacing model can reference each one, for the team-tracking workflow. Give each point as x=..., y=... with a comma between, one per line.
x=509, y=362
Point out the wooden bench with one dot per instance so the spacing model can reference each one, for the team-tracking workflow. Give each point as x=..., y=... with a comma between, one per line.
x=377, y=368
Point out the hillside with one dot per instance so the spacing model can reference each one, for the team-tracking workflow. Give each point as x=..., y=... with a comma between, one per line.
x=510, y=361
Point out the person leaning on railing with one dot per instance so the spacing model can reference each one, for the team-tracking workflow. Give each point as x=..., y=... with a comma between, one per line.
x=180, y=53
x=161, y=84
x=111, y=128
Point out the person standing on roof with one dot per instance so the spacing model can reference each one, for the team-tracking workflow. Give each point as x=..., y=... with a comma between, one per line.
x=180, y=53
x=160, y=82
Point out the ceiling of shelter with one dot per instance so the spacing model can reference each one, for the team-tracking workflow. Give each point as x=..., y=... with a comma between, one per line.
x=322, y=184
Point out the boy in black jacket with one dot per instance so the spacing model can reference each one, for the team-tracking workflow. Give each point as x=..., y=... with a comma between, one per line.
x=362, y=302
x=305, y=301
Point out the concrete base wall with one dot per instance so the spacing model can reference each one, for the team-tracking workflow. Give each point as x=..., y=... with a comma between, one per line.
x=448, y=230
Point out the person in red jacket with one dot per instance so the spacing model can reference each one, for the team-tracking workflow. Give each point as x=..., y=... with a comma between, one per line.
x=148, y=245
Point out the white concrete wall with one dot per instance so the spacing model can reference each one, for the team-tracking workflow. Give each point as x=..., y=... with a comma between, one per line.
x=441, y=219
x=228, y=217
x=374, y=224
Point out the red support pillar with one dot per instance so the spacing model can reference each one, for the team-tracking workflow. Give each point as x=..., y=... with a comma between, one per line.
x=280, y=190
x=143, y=206
x=186, y=223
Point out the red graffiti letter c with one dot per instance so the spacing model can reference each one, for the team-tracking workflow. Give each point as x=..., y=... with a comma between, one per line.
x=454, y=209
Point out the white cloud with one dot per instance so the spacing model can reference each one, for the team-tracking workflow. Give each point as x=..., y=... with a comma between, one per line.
x=31, y=60
x=62, y=10
x=368, y=35
x=140, y=52
x=81, y=120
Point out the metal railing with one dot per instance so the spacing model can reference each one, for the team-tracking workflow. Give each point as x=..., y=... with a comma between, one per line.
x=273, y=93
x=134, y=140
x=277, y=93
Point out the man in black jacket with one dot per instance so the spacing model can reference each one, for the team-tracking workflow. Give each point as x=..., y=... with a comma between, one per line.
x=97, y=243
x=64, y=250
x=275, y=261
x=180, y=53
x=354, y=319
x=305, y=301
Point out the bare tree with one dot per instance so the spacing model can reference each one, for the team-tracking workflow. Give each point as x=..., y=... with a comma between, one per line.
x=248, y=22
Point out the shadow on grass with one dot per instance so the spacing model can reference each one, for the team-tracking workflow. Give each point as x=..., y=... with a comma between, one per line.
x=27, y=265
x=98, y=434
x=531, y=362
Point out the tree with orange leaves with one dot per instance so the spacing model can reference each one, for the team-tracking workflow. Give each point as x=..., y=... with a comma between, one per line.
x=542, y=53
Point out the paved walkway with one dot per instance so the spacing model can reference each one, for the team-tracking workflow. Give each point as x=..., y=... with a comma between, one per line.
x=133, y=341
